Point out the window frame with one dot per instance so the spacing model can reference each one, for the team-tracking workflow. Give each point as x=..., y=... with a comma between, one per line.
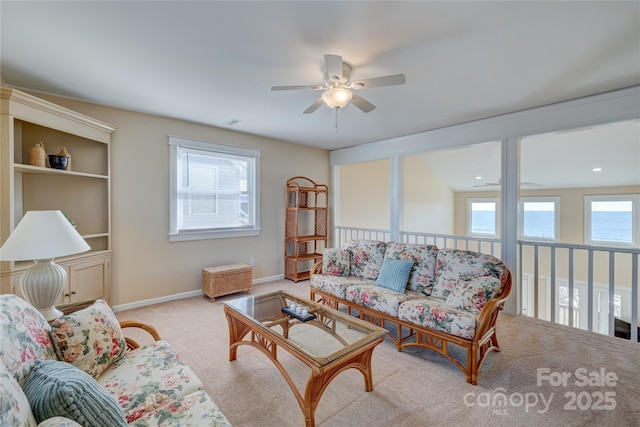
x=556, y=218
x=470, y=203
x=253, y=188
x=635, y=219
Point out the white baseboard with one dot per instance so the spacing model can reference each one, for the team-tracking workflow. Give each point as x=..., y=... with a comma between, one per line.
x=152, y=301
x=268, y=279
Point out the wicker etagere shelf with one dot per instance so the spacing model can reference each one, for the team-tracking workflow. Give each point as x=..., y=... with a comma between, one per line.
x=305, y=227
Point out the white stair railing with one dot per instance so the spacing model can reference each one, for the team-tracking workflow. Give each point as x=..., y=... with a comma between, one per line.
x=603, y=301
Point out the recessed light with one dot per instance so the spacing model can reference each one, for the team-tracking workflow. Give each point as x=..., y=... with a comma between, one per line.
x=597, y=169
x=478, y=177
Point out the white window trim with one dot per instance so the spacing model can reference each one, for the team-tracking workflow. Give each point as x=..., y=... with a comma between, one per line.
x=179, y=236
x=556, y=219
x=635, y=219
x=469, y=216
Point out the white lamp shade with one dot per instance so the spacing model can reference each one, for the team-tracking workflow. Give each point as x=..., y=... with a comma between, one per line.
x=42, y=235
x=337, y=97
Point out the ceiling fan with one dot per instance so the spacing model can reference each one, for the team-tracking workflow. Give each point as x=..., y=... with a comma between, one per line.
x=497, y=184
x=337, y=85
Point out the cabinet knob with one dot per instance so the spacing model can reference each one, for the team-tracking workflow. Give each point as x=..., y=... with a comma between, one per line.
x=66, y=295
x=73, y=293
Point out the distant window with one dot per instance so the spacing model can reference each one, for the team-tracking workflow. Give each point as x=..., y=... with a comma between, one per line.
x=213, y=191
x=482, y=217
x=612, y=220
x=540, y=218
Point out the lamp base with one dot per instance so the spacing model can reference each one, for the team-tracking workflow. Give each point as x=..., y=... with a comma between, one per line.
x=42, y=285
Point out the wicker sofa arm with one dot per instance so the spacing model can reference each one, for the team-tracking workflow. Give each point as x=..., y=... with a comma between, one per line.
x=131, y=343
x=489, y=314
x=317, y=268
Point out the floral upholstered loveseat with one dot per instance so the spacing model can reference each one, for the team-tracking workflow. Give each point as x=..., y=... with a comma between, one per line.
x=81, y=370
x=433, y=296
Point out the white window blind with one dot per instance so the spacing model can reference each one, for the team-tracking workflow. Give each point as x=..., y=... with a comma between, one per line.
x=214, y=190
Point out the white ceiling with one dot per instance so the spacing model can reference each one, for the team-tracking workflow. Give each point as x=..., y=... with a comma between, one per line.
x=213, y=61
x=557, y=160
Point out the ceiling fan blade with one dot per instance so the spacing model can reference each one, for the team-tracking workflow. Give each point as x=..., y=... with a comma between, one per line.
x=314, y=106
x=395, y=79
x=297, y=87
x=487, y=184
x=362, y=103
x=333, y=64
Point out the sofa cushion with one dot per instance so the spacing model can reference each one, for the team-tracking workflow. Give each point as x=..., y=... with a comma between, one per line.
x=337, y=285
x=435, y=314
x=57, y=388
x=90, y=339
x=366, y=257
x=380, y=299
x=336, y=262
x=14, y=409
x=453, y=266
x=472, y=295
x=148, y=378
x=195, y=409
x=26, y=341
x=394, y=274
x=424, y=268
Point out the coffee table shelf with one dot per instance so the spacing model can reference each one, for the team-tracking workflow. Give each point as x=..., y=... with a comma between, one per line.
x=329, y=344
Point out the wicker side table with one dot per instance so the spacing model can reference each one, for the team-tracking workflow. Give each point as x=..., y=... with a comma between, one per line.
x=225, y=280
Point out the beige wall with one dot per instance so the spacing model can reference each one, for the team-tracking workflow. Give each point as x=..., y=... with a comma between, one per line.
x=428, y=203
x=145, y=264
x=364, y=195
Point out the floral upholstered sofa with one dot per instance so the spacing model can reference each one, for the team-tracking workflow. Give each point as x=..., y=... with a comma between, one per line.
x=81, y=370
x=433, y=296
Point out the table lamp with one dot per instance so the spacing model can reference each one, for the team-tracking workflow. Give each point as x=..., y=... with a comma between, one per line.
x=42, y=236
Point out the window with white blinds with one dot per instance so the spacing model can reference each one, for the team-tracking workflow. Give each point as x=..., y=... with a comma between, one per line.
x=213, y=191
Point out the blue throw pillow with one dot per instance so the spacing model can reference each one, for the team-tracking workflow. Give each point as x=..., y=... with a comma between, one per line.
x=394, y=274
x=57, y=388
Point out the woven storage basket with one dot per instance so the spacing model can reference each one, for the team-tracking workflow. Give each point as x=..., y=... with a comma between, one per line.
x=37, y=156
x=226, y=279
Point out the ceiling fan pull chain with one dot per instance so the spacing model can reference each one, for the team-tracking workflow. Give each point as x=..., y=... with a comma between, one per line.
x=336, y=119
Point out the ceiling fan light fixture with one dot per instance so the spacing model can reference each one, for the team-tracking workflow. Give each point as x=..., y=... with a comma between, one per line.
x=337, y=97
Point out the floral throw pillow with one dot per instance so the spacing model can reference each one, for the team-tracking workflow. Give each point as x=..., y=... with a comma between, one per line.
x=336, y=262
x=472, y=295
x=14, y=409
x=90, y=339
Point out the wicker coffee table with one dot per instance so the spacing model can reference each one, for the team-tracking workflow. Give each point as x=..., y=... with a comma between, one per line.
x=324, y=339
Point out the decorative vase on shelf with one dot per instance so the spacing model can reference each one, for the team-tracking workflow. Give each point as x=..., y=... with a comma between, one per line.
x=37, y=155
x=65, y=153
x=46, y=157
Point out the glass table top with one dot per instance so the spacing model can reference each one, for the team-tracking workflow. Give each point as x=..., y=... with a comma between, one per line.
x=329, y=335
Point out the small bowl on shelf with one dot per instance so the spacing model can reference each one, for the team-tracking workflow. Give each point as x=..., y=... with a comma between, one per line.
x=58, y=162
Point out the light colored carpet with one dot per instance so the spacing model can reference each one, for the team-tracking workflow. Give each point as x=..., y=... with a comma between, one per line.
x=415, y=387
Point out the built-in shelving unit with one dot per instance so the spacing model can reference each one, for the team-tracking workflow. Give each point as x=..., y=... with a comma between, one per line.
x=306, y=226
x=83, y=192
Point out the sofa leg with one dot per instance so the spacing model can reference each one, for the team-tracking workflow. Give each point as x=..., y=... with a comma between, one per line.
x=494, y=342
x=472, y=356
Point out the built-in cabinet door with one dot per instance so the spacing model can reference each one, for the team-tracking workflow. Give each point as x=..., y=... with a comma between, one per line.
x=15, y=286
x=87, y=280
